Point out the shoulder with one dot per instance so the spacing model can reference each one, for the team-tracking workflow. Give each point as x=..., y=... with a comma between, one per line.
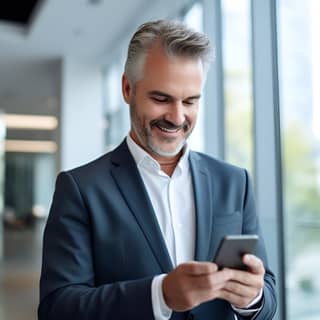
x=222, y=175
x=101, y=167
x=94, y=166
x=216, y=166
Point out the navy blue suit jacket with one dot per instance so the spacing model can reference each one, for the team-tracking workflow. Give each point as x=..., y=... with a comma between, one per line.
x=103, y=246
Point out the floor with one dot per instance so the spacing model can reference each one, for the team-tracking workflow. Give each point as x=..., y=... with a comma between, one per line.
x=19, y=273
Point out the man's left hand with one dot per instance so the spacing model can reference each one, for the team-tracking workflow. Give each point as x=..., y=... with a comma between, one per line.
x=245, y=286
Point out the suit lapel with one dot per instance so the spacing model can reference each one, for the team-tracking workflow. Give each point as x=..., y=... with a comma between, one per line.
x=129, y=181
x=203, y=204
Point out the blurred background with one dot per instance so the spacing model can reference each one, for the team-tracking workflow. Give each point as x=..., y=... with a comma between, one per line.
x=60, y=99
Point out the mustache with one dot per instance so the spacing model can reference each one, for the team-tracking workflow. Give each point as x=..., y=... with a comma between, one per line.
x=169, y=125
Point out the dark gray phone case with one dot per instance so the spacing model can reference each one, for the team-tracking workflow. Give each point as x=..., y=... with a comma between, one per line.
x=231, y=250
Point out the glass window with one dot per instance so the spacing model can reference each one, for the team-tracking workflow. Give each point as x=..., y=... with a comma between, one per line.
x=31, y=175
x=299, y=68
x=236, y=40
x=194, y=19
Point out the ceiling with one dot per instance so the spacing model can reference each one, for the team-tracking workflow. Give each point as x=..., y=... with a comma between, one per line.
x=84, y=28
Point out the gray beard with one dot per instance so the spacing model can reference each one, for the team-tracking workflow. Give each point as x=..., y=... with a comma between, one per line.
x=166, y=154
x=145, y=138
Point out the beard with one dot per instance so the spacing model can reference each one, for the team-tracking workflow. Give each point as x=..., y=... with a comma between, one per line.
x=149, y=142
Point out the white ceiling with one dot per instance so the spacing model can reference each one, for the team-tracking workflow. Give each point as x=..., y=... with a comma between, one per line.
x=63, y=27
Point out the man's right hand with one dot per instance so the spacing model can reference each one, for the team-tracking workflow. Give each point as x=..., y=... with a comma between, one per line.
x=193, y=283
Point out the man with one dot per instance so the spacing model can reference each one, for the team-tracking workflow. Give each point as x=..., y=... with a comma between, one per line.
x=132, y=234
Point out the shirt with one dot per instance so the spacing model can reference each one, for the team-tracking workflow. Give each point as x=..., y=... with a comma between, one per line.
x=175, y=214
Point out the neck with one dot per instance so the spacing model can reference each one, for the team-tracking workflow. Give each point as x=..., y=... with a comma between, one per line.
x=169, y=164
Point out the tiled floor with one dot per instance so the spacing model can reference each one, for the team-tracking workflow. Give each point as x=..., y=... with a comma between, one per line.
x=19, y=273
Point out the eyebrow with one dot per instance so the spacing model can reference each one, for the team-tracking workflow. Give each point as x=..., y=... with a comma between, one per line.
x=163, y=94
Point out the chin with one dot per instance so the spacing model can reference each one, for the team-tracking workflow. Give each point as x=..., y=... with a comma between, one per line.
x=167, y=153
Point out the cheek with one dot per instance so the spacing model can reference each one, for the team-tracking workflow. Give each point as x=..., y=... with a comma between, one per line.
x=152, y=112
x=192, y=116
x=146, y=109
x=144, y=116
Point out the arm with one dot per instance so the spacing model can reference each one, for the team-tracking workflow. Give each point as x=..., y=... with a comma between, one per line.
x=67, y=286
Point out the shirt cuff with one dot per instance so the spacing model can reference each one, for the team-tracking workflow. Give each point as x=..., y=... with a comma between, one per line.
x=160, y=309
x=247, y=311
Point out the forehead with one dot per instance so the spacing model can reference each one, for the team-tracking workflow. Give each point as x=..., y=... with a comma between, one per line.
x=177, y=76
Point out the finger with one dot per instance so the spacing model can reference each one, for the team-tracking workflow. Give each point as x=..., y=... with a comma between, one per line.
x=241, y=290
x=247, y=278
x=196, y=268
x=212, y=282
x=254, y=263
x=235, y=299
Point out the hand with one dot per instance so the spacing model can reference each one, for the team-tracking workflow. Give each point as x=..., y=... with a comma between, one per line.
x=244, y=286
x=193, y=283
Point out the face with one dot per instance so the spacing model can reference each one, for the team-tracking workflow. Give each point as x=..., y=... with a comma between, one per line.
x=164, y=102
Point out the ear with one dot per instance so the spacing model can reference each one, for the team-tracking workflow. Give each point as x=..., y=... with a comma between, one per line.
x=126, y=89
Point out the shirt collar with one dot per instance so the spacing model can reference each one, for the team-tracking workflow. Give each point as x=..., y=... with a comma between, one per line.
x=143, y=158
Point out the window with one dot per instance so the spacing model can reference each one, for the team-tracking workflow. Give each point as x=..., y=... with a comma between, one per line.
x=299, y=67
x=236, y=40
x=194, y=19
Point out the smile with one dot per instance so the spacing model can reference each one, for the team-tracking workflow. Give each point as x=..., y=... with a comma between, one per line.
x=168, y=130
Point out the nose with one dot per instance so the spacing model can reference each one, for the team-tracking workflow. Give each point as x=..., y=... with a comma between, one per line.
x=176, y=113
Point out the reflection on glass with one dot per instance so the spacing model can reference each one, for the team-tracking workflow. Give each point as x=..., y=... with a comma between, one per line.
x=237, y=82
x=299, y=66
x=194, y=19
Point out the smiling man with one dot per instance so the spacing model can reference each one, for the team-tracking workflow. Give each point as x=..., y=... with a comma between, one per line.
x=132, y=234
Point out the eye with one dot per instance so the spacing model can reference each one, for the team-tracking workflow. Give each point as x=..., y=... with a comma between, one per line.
x=190, y=102
x=160, y=99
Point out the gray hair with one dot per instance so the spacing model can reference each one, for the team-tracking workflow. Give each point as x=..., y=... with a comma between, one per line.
x=175, y=37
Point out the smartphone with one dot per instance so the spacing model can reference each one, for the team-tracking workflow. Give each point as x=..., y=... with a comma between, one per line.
x=232, y=248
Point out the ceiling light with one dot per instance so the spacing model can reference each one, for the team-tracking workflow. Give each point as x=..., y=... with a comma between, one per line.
x=30, y=146
x=31, y=122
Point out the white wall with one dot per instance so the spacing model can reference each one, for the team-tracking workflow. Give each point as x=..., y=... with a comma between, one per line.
x=81, y=119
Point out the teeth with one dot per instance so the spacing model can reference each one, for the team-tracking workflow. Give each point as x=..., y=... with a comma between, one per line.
x=168, y=130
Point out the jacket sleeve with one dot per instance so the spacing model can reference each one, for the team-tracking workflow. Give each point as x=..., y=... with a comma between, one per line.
x=67, y=284
x=251, y=225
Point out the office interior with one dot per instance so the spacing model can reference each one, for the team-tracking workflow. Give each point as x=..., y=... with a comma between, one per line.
x=61, y=106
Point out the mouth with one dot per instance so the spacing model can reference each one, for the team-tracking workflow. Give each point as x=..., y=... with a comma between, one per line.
x=167, y=130
x=168, y=127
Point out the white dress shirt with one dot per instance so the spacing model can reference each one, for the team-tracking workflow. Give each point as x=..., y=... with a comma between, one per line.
x=172, y=199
